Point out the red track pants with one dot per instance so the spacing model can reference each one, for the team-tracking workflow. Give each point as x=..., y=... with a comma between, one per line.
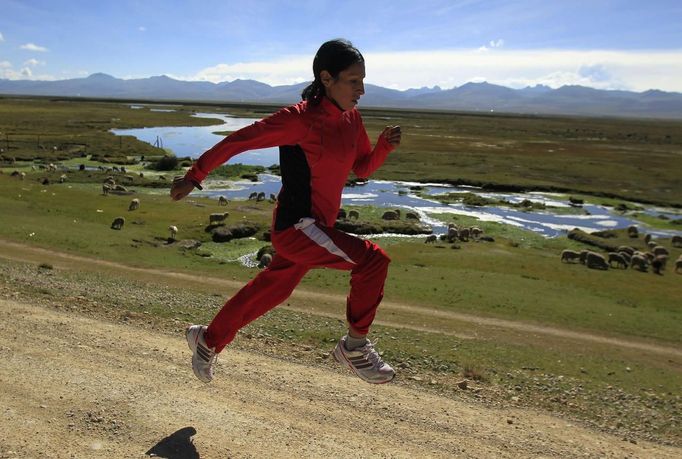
x=299, y=248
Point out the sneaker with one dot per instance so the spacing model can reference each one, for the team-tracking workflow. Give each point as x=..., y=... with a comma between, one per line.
x=203, y=357
x=365, y=362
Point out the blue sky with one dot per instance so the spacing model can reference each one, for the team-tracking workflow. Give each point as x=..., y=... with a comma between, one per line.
x=608, y=44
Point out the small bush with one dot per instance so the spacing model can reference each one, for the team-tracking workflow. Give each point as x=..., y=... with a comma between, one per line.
x=45, y=266
x=166, y=163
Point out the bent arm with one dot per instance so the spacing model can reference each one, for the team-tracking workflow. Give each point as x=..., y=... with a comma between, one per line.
x=282, y=128
x=370, y=159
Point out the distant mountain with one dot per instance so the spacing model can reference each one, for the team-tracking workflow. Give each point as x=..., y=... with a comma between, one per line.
x=483, y=97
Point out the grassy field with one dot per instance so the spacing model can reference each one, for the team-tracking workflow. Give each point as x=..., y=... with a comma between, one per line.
x=517, y=278
x=629, y=159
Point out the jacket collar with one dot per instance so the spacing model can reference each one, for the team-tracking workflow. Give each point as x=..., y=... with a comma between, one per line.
x=330, y=108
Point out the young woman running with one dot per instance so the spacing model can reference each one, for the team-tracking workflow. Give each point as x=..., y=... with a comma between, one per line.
x=321, y=140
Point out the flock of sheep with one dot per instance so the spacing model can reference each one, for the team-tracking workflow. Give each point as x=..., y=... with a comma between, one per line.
x=625, y=256
x=456, y=233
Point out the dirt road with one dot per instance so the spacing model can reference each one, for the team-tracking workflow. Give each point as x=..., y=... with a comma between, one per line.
x=79, y=387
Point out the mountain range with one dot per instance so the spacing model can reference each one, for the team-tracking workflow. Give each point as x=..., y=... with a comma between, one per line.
x=475, y=97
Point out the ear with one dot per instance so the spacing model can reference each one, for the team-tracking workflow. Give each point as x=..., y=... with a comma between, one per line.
x=326, y=78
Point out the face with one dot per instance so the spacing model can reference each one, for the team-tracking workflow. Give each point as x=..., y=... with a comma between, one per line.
x=347, y=88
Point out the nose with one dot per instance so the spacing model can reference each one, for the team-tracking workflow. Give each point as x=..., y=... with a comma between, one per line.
x=361, y=88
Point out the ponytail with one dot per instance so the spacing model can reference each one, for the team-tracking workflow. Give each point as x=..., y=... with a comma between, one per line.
x=333, y=56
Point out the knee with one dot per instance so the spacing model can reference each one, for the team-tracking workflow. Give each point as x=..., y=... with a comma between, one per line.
x=378, y=257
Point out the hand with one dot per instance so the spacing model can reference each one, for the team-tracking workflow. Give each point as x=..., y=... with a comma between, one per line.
x=180, y=188
x=392, y=135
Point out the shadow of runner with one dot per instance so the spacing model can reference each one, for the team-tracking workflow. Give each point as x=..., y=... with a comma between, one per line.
x=176, y=446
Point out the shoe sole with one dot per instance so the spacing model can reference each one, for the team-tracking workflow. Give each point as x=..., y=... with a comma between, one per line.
x=193, y=349
x=344, y=361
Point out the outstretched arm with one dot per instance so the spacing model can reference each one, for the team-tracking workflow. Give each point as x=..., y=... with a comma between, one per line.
x=285, y=127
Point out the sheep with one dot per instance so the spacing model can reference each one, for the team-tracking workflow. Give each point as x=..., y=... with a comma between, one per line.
x=265, y=260
x=596, y=261
x=639, y=263
x=625, y=255
x=217, y=218
x=625, y=248
x=678, y=264
x=134, y=204
x=253, y=196
x=652, y=245
x=476, y=232
x=658, y=264
x=677, y=241
x=570, y=256
x=260, y=197
x=106, y=189
x=341, y=214
x=618, y=259
x=647, y=238
x=431, y=239
x=390, y=215
x=633, y=232
x=141, y=174
x=110, y=181
x=353, y=215
x=411, y=216
x=464, y=234
x=173, y=232
x=120, y=188
x=397, y=212
x=660, y=250
x=62, y=178
x=22, y=175
x=583, y=256
x=118, y=223
x=273, y=198
x=453, y=234
x=222, y=200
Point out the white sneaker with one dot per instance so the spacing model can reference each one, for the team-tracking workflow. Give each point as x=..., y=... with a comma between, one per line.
x=365, y=362
x=203, y=357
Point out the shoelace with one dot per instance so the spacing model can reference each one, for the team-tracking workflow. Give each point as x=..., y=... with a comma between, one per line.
x=371, y=354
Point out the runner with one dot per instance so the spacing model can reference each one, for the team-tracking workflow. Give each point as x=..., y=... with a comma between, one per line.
x=321, y=140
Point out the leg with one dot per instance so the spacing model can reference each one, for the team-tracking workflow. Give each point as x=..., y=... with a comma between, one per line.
x=268, y=289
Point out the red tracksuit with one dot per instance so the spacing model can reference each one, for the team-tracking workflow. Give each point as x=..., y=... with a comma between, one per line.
x=319, y=146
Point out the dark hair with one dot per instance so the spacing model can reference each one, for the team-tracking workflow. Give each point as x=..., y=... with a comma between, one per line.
x=333, y=56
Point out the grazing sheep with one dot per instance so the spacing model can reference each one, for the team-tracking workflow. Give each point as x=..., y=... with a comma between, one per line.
x=106, y=189
x=660, y=250
x=658, y=264
x=134, y=204
x=453, y=234
x=651, y=245
x=253, y=196
x=678, y=264
x=273, y=198
x=431, y=239
x=173, y=232
x=677, y=241
x=341, y=214
x=583, y=256
x=411, y=216
x=625, y=255
x=353, y=215
x=639, y=263
x=260, y=197
x=619, y=259
x=632, y=231
x=217, y=218
x=625, y=248
x=222, y=200
x=22, y=175
x=390, y=215
x=570, y=256
x=596, y=261
x=110, y=181
x=464, y=234
x=647, y=238
x=397, y=212
x=265, y=260
x=476, y=232
x=123, y=169
x=141, y=174
x=120, y=188
x=118, y=223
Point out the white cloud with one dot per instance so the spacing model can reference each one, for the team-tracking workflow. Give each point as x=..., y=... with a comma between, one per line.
x=631, y=70
x=34, y=62
x=34, y=47
x=26, y=73
x=497, y=43
x=142, y=29
x=1, y=37
x=5, y=65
